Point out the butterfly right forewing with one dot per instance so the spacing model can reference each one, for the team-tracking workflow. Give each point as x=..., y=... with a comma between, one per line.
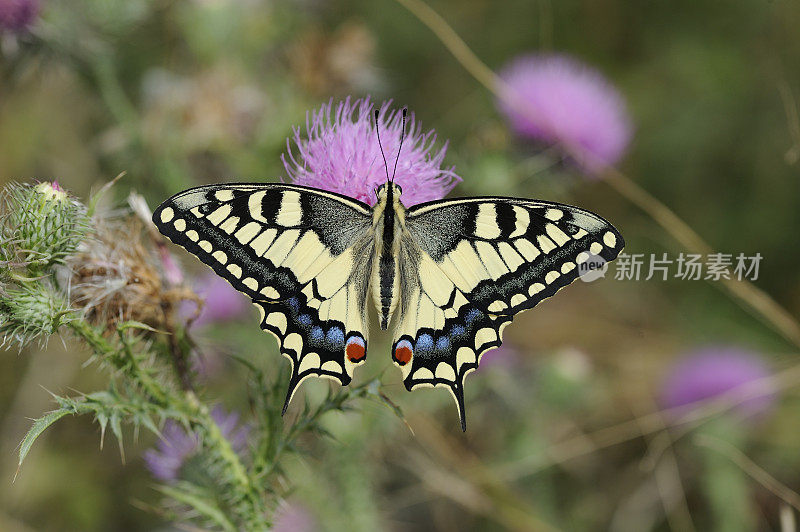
x=476, y=263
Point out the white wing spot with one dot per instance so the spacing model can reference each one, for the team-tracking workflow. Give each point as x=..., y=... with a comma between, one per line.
x=580, y=233
x=289, y=214
x=224, y=195
x=293, y=342
x=220, y=214
x=521, y=223
x=582, y=257
x=221, y=256
x=535, y=288
x=422, y=374
x=263, y=241
x=528, y=250
x=545, y=243
x=331, y=365
x=229, y=225
x=486, y=222
x=510, y=256
x=558, y=236
x=167, y=215
x=270, y=293
x=567, y=267
x=254, y=206
x=248, y=232
x=277, y=320
x=596, y=248
x=205, y=245
x=465, y=355
x=235, y=270
x=250, y=283
x=517, y=299
x=553, y=214
x=180, y=224
x=483, y=337
x=551, y=276
x=309, y=361
x=497, y=306
x=192, y=235
x=445, y=371
x=609, y=239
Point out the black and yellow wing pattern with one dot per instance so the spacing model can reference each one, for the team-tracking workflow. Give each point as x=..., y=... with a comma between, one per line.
x=471, y=265
x=309, y=260
x=301, y=254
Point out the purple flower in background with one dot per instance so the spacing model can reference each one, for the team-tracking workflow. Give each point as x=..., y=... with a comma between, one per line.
x=292, y=517
x=17, y=15
x=505, y=357
x=555, y=99
x=713, y=371
x=340, y=153
x=222, y=301
x=177, y=445
x=172, y=272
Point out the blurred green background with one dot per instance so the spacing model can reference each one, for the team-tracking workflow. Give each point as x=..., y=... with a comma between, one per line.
x=194, y=92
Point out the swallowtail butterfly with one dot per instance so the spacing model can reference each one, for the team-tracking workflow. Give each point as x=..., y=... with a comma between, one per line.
x=452, y=272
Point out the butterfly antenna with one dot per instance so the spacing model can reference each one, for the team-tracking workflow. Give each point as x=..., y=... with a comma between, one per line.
x=378, y=132
x=402, y=136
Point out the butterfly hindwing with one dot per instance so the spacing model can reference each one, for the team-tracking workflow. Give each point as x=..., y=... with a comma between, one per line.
x=473, y=264
x=441, y=335
x=299, y=253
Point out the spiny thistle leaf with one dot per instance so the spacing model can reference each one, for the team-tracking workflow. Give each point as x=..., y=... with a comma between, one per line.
x=39, y=426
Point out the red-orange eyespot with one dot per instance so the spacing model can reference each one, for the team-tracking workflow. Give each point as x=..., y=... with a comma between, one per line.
x=403, y=352
x=355, y=350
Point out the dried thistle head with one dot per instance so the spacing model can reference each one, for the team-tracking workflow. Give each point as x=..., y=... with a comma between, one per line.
x=116, y=277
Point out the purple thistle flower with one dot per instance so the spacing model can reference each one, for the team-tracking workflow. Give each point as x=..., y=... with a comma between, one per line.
x=222, y=301
x=713, y=371
x=341, y=154
x=172, y=272
x=506, y=357
x=18, y=15
x=177, y=445
x=555, y=99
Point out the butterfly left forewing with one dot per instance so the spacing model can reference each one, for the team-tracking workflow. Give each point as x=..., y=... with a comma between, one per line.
x=479, y=262
x=298, y=253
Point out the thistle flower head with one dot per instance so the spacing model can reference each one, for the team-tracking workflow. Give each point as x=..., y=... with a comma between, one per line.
x=41, y=225
x=555, y=99
x=177, y=446
x=340, y=153
x=714, y=371
x=31, y=311
x=221, y=301
x=17, y=15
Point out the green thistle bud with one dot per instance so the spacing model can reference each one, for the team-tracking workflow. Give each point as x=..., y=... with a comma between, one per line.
x=31, y=311
x=41, y=225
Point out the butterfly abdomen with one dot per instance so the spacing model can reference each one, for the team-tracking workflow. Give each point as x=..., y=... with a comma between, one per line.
x=388, y=231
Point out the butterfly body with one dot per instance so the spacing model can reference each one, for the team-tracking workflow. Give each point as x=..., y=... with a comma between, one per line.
x=449, y=274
